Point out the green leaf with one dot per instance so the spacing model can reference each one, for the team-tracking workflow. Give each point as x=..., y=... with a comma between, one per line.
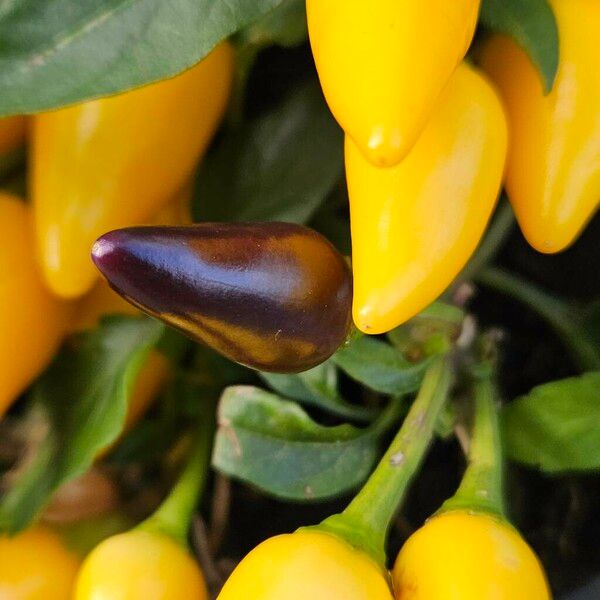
x=285, y=26
x=56, y=52
x=274, y=445
x=279, y=167
x=317, y=387
x=556, y=427
x=379, y=366
x=82, y=400
x=532, y=24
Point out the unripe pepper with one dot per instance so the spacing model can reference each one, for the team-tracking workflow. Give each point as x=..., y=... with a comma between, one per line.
x=307, y=564
x=383, y=65
x=35, y=565
x=473, y=555
x=273, y=296
x=34, y=321
x=140, y=564
x=12, y=133
x=116, y=161
x=414, y=226
x=553, y=173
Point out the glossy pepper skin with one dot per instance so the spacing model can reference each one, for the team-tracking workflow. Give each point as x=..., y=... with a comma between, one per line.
x=273, y=296
x=471, y=557
x=383, y=65
x=414, y=226
x=306, y=564
x=29, y=336
x=139, y=564
x=35, y=565
x=553, y=173
x=116, y=161
x=12, y=133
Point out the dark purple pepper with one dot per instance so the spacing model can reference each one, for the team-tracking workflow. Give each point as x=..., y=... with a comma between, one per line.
x=273, y=296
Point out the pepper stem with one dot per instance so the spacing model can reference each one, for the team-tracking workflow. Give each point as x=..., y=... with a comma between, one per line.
x=174, y=515
x=366, y=520
x=481, y=488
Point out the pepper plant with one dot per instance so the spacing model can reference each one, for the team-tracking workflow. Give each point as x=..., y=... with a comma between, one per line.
x=300, y=299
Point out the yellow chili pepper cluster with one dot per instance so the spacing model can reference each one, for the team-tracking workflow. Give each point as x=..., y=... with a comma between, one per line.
x=427, y=141
x=454, y=555
x=464, y=552
x=102, y=164
x=98, y=165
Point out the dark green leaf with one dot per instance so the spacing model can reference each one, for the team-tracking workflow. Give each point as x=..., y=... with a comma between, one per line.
x=556, y=427
x=279, y=167
x=533, y=26
x=82, y=400
x=56, y=52
x=274, y=445
x=317, y=387
x=285, y=26
x=379, y=366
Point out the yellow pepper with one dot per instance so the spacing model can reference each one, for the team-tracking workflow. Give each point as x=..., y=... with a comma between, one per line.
x=553, y=172
x=34, y=321
x=12, y=133
x=468, y=556
x=383, y=65
x=414, y=226
x=140, y=564
x=116, y=161
x=35, y=565
x=306, y=564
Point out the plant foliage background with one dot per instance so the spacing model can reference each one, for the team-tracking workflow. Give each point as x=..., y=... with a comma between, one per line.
x=279, y=157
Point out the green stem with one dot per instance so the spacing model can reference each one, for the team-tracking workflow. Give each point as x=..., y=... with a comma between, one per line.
x=481, y=488
x=366, y=520
x=555, y=312
x=174, y=515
